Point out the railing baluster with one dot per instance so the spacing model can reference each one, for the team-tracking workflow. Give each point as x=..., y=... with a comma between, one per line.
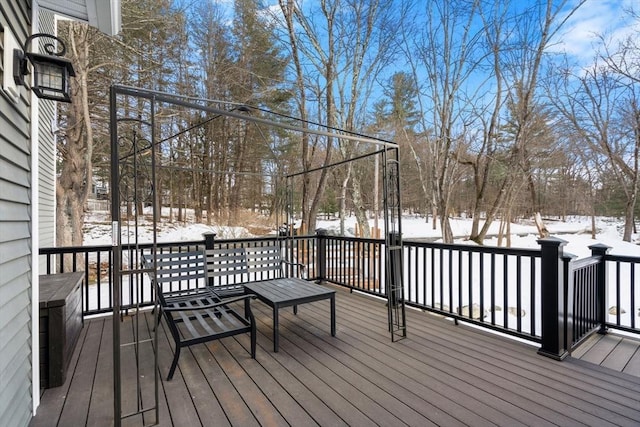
x=411, y=258
x=519, y=293
x=470, y=287
x=98, y=283
x=533, y=297
x=619, y=307
x=482, y=305
x=632, y=302
x=505, y=292
x=449, y=281
x=423, y=283
x=432, y=277
x=492, y=265
x=460, y=285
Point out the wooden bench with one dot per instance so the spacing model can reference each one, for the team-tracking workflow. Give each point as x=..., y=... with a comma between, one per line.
x=193, y=311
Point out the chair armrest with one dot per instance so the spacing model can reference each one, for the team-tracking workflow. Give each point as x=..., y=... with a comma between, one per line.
x=214, y=305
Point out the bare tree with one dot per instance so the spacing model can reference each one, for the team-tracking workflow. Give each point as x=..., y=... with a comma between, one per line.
x=399, y=118
x=447, y=51
x=603, y=112
x=311, y=145
x=345, y=44
x=75, y=149
x=516, y=68
x=144, y=51
x=482, y=157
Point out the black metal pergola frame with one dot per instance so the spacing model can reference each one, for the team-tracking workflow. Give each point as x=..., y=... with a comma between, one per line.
x=391, y=207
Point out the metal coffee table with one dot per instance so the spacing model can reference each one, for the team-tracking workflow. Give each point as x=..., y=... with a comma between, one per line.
x=287, y=292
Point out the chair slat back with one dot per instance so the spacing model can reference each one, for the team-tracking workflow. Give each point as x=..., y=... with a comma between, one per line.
x=178, y=270
x=226, y=266
x=265, y=262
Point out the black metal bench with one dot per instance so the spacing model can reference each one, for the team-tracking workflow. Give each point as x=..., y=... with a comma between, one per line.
x=266, y=263
x=193, y=311
x=229, y=269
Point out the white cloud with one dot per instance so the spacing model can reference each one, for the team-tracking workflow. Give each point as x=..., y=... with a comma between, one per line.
x=582, y=33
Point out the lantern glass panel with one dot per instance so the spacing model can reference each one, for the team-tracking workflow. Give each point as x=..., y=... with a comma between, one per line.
x=50, y=76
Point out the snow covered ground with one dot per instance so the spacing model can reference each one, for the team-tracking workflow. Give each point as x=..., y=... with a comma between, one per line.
x=575, y=230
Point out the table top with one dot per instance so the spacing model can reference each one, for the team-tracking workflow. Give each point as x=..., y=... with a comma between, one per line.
x=287, y=289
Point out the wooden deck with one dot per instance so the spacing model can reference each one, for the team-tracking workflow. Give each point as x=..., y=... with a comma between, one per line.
x=615, y=351
x=441, y=374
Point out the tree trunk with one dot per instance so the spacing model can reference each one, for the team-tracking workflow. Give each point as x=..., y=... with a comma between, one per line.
x=629, y=217
x=501, y=231
x=343, y=202
x=542, y=229
x=76, y=150
x=445, y=225
x=509, y=229
x=361, y=213
x=434, y=215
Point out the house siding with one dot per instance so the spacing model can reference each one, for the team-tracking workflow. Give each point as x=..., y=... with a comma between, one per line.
x=15, y=236
x=47, y=157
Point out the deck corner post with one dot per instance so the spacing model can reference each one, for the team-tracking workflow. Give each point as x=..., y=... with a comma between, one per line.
x=553, y=295
x=601, y=250
x=209, y=239
x=321, y=258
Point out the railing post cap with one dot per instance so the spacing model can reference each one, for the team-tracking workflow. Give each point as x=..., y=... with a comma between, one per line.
x=552, y=241
x=569, y=256
x=600, y=247
x=209, y=239
x=322, y=232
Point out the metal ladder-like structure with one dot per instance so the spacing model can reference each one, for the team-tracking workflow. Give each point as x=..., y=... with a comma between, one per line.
x=393, y=244
x=133, y=184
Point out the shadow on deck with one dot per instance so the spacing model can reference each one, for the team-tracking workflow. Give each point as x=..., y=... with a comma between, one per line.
x=441, y=374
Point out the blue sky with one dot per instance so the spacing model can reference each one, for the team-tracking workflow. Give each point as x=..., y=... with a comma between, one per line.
x=579, y=39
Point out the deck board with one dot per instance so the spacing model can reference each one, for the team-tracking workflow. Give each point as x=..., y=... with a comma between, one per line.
x=551, y=398
x=395, y=379
x=620, y=355
x=478, y=373
x=53, y=399
x=176, y=392
x=441, y=374
x=101, y=404
x=633, y=366
x=601, y=350
x=77, y=400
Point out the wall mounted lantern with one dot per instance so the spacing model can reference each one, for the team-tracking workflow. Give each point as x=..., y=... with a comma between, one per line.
x=51, y=72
